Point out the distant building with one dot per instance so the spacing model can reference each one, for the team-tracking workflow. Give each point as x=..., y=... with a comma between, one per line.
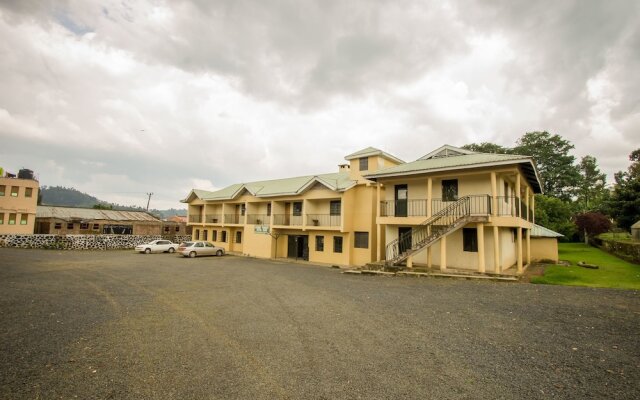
x=18, y=202
x=635, y=231
x=86, y=221
x=544, y=244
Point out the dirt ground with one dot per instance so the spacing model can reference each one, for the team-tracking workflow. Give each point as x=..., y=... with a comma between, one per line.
x=120, y=325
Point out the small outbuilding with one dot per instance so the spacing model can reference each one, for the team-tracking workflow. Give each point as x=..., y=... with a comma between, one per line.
x=544, y=244
x=635, y=231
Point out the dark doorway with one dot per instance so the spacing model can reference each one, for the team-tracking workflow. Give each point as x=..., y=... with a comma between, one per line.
x=402, y=193
x=404, y=239
x=298, y=247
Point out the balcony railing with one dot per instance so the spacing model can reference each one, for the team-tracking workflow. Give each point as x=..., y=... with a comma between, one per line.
x=258, y=219
x=233, y=219
x=479, y=205
x=213, y=218
x=323, y=220
x=287, y=220
x=195, y=218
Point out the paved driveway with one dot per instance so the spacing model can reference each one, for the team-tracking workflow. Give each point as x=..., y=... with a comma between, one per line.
x=130, y=326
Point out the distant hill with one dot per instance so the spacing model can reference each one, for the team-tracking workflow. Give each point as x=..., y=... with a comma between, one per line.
x=70, y=197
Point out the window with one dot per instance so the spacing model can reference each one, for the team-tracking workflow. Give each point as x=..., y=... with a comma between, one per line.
x=470, y=239
x=214, y=236
x=166, y=229
x=204, y=234
x=70, y=225
x=58, y=225
x=96, y=227
x=450, y=190
x=28, y=192
x=243, y=209
x=319, y=243
x=337, y=244
x=239, y=237
x=199, y=244
x=197, y=234
x=335, y=207
x=14, y=191
x=84, y=225
x=269, y=210
x=12, y=219
x=506, y=192
x=24, y=219
x=297, y=209
x=361, y=240
x=224, y=236
x=178, y=228
x=3, y=188
x=1, y=218
x=364, y=163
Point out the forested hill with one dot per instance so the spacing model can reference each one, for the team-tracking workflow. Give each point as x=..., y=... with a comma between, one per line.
x=70, y=197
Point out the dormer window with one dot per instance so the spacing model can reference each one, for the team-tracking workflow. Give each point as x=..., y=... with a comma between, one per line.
x=364, y=163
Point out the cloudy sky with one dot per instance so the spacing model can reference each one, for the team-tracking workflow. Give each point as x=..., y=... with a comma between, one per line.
x=118, y=98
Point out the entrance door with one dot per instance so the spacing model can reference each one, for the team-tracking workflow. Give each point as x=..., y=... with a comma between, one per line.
x=298, y=247
x=404, y=239
x=402, y=193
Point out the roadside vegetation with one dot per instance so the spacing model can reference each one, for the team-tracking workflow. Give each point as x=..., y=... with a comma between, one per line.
x=612, y=272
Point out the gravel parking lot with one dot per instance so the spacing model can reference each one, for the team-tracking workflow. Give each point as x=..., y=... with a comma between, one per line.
x=120, y=325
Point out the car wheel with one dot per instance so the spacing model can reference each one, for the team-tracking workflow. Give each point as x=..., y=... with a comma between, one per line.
x=171, y=249
x=192, y=254
x=147, y=251
x=219, y=253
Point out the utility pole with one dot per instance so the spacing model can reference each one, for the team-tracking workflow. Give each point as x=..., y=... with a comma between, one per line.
x=149, y=200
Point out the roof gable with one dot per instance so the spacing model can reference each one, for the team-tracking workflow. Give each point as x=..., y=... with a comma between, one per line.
x=372, y=151
x=446, y=151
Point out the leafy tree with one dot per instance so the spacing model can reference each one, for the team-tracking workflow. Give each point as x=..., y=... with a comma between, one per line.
x=625, y=200
x=103, y=206
x=555, y=214
x=592, y=224
x=486, y=147
x=557, y=168
x=591, y=185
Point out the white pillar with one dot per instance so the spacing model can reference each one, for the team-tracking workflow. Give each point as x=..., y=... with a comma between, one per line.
x=481, y=261
x=443, y=254
x=519, y=244
x=496, y=250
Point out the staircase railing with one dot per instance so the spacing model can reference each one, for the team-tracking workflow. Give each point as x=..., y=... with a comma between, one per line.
x=445, y=220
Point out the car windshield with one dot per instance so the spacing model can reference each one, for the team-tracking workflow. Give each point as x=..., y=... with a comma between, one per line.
x=186, y=244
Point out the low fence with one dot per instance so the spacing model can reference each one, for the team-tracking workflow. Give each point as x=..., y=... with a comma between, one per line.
x=83, y=242
x=626, y=250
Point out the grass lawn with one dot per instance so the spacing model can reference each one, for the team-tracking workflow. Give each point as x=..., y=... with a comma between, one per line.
x=619, y=236
x=613, y=272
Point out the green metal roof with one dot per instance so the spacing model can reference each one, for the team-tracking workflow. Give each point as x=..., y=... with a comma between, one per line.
x=278, y=187
x=475, y=160
x=372, y=151
x=541, y=231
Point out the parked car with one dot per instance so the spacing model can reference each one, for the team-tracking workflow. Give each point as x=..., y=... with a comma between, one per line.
x=199, y=248
x=157, y=246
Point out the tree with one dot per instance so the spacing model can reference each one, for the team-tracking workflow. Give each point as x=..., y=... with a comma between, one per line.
x=486, y=147
x=625, y=200
x=556, y=166
x=555, y=214
x=591, y=185
x=592, y=224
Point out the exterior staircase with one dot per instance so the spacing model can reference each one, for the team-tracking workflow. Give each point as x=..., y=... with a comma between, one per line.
x=449, y=219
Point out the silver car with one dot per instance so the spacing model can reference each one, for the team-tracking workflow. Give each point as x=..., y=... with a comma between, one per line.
x=157, y=246
x=199, y=248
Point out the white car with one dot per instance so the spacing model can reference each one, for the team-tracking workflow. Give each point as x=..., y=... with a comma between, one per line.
x=157, y=246
x=200, y=248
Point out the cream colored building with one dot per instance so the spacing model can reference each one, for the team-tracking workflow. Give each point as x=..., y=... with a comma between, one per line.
x=18, y=202
x=452, y=209
x=544, y=244
x=326, y=218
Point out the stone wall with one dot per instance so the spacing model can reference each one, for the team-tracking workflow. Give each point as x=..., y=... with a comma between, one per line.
x=626, y=250
x=83, y=242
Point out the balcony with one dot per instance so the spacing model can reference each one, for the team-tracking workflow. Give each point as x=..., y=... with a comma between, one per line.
x=213, y=218
x=478, y=205
x=287, y=220
x=258, y=219
x=233, y=219
x=323, y=220
x=195, y=219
